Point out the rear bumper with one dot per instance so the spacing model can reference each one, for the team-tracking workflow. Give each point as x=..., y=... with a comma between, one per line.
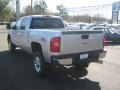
x=72, y=59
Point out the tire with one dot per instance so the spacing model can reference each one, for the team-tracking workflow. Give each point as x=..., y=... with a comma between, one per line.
x=40, y=67
x=11, y=46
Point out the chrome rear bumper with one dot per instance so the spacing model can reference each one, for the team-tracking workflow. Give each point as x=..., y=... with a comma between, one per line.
x=72, y=59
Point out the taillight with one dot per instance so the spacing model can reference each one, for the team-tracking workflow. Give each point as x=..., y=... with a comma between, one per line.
x=55, y=44
x=104, y=40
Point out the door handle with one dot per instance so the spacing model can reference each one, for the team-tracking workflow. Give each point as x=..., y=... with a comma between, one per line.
x=85, y=36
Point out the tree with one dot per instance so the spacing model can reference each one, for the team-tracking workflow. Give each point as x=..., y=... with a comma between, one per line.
x=3, y=4
x=5, y=10
x=62, y=11
x=7, y=14
x=40, y=7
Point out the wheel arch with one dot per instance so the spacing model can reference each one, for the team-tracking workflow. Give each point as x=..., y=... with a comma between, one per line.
x=36, y=47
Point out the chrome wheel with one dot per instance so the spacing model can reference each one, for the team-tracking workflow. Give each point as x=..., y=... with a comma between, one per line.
x=37, y=64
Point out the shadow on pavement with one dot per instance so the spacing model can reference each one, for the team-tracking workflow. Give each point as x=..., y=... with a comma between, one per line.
x=16, y=73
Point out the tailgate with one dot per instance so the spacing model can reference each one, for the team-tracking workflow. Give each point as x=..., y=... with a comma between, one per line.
x=81, y=41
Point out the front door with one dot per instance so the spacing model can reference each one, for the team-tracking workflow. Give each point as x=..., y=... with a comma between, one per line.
x=22, y=33
x=15, y=33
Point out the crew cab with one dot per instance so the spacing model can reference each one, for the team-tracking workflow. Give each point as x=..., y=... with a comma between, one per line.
x=46, y=38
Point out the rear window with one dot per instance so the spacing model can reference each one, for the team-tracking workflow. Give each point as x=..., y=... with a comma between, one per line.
x=46, y=23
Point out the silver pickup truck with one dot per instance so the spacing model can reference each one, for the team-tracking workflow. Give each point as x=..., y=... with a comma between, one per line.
x=46, y=38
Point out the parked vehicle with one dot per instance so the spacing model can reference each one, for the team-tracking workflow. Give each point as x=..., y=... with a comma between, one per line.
x=82, y=25
x=72, y=27
x=50, y=44
x=111, y=34
x=10, y=25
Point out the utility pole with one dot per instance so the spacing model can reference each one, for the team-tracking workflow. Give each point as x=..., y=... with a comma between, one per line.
x=31, y=7
x=17, y=9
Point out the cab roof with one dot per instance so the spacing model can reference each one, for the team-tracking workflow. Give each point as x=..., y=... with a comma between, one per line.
x=43, y=16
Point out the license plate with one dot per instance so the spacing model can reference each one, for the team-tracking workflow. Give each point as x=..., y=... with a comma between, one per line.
x=83, y=56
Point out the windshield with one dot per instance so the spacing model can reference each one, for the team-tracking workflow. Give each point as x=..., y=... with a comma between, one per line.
x=46, y=23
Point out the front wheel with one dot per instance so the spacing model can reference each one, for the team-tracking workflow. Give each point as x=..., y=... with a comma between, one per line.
x=11, y=46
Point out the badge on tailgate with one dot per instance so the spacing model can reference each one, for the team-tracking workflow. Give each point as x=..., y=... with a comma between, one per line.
x=85, y=36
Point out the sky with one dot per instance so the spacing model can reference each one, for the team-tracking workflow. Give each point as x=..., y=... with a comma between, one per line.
x=71, y=3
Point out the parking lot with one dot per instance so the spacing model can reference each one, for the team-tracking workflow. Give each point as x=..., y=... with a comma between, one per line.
x=16, y=72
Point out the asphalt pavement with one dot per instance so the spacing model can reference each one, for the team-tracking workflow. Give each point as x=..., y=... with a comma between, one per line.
x=16, y=72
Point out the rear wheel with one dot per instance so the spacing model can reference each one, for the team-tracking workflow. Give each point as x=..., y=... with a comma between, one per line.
x=11, y=46
x=40, y=66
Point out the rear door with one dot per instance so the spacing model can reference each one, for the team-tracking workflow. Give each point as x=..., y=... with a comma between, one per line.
x=81, y=41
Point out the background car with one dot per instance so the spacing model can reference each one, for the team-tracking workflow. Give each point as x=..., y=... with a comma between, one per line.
x=10, y=25
x=71, y=27
x=110, y=33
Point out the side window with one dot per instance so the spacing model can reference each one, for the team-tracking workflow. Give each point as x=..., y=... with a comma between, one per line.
x=23, y=24
x=18, y=23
